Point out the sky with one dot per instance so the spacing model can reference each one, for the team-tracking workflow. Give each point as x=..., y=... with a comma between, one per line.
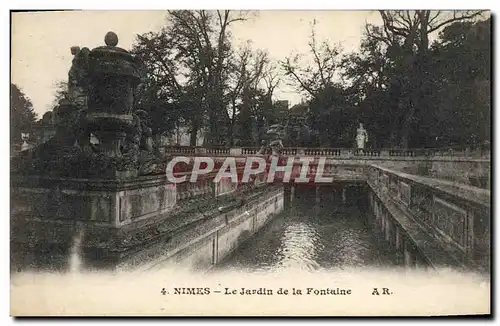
x=41, y=41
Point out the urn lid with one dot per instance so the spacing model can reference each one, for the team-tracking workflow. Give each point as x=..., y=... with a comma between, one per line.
x=111, y=49
x=111, y=59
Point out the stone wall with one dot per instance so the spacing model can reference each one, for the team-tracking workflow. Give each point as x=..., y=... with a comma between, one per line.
x=474, y=172
x=117, y=218
x=208, y=242
x=432, y=222
x=105, y=203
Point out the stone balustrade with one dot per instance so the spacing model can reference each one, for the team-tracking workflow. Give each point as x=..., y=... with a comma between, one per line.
x=337, y=152
x=440, y=219
x=179, y=150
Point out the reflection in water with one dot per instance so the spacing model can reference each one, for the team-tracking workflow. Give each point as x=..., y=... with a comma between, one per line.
x=298, y=247
x=313, y=238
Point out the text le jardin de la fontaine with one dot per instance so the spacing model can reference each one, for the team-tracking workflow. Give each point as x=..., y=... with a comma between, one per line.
x=268, y=291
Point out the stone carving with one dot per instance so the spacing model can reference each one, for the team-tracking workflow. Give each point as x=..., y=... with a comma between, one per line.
x=276, y=134
x=78, y=79
x=405, y=192
x=451, y=220
x=393, y=187
x=101, y=85
x=71, y=138
x=274, y=143
x=70, y=113
x=422, y=203
x=149, y=156
x=25, y=137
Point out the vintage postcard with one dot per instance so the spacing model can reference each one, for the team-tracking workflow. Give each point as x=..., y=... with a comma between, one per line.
x=250, y=163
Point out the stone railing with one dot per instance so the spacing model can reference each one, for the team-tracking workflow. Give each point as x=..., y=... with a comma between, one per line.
x=179, y=150
x=456, y=215
x=249, y=150
x=338, y=152
x=218, y=151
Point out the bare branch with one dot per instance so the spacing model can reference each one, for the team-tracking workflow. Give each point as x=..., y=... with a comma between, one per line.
x=291, y=71
x=431, y=20
x=454, y=19
x=387, y=41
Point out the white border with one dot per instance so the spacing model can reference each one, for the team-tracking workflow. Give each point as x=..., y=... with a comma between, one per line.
x=186, y=4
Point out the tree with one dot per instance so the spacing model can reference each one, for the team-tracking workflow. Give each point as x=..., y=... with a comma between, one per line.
x=22, y=114
x=204, y=44
x=271, y=78
x=406, y=37
x=246, y=71
x=60, y=93
x=319, y=82
x=367, y=75
x=189, y=60
x=160, y=93
x=196, y=77
x=461, y=83
x=310, y=79
x=257, y=107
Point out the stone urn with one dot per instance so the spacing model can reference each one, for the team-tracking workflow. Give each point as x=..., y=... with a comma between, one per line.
x=113, y=77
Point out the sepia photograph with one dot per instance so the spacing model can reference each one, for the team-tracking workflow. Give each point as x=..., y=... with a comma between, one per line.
x=331, y=163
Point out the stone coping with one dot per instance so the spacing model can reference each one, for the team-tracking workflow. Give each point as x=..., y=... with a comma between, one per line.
x=186, y=234
x=378, y=154
x=469, y=193
x=179, y=220
x=97, y=184
x=350, y=157
x=423, y=240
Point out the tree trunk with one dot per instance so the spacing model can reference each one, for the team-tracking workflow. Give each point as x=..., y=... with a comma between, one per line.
x=193, y=136
x=407, y=126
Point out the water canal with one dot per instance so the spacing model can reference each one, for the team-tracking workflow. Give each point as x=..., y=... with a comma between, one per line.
x=313, y=237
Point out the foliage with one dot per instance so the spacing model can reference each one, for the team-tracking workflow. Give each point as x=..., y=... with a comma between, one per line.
x=325, y=95
x=461, y=106
x=22, y=114
x=420, y=79
x=195, y=77
x=413, y=95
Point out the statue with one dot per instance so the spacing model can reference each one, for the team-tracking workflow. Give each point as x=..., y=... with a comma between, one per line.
x=274, y=144
x=148, y=158
x=276, y=133
x=25, y=137
x=78, y=76
x=72, y=110
x=361, y=137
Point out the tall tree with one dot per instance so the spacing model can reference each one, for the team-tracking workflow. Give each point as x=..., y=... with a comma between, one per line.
x=203, y=41
x=319, y=82
x=160, y=94
x=406, y=35
x=246, y=71
x=461, y=85
x=190, y=58
x=367, y=75
x=22, y=114
x=309, y=79
x=61, y=92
